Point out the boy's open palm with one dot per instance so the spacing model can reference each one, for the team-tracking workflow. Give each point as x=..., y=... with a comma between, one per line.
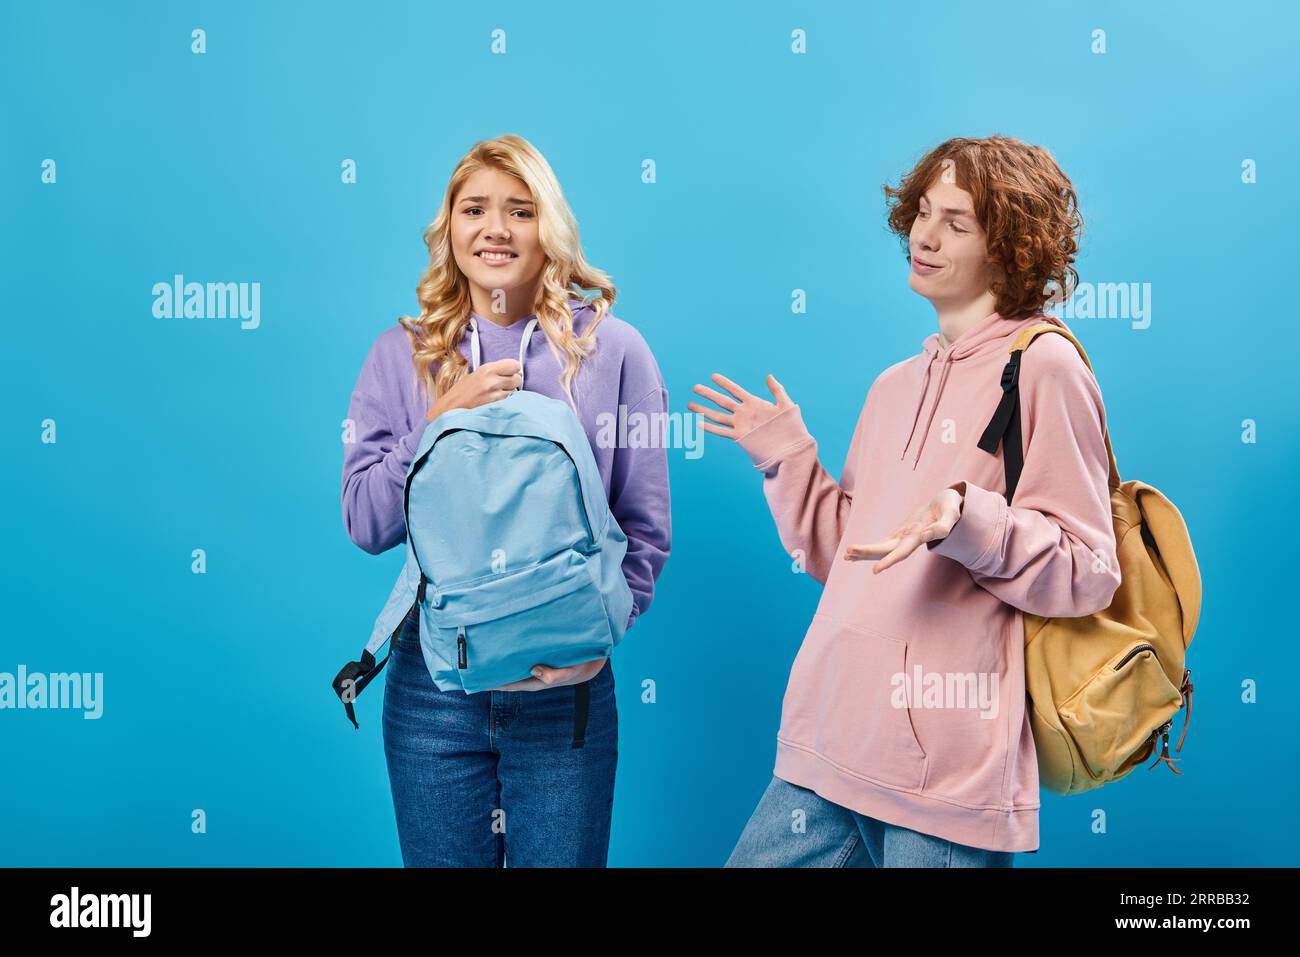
x=931, y=521
x=743, y=413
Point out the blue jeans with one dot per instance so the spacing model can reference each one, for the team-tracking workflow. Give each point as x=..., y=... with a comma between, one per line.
x=835, y=836
x=493, y=778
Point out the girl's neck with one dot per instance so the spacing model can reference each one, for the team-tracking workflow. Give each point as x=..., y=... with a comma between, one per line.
x=518, y=305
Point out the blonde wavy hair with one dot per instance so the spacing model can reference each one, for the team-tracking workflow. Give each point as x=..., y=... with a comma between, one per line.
x=443, y=290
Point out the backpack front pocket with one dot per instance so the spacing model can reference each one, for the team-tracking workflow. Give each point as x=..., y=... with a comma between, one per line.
x=1113, y=715
x=495, y=630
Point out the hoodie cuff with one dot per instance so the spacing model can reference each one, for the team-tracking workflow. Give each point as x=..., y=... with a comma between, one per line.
x=776, y=438
x=983, y=519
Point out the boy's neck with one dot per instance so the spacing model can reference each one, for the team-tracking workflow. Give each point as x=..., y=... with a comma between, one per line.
x=955, y=320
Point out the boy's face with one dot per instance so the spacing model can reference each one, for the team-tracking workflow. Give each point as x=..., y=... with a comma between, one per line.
x=947, y=247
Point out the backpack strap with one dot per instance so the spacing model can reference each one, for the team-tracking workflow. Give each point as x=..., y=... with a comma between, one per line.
x=1004, y=427
x=1164, y=528
x=406, y=596
x=581, y=706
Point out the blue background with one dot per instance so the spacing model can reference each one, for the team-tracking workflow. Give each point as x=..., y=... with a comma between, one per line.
x=176, y=434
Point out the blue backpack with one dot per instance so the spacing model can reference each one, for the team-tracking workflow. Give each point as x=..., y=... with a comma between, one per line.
x=513, y=558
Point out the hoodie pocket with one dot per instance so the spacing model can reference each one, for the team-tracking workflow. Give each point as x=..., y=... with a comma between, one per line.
x=846, y=701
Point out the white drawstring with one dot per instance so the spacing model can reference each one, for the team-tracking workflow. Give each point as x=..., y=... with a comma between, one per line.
x=476, y=356
x=523, y=348
x=473, y=344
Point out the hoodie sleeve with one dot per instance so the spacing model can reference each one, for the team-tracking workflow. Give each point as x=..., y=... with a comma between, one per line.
x=375, y=462
x=810, y=508
x=639, y=493
x=1053, y=552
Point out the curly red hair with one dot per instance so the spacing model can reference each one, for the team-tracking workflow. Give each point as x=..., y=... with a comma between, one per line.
x=1024, y=202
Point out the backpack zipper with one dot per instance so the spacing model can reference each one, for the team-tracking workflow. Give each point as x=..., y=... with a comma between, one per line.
x=1134, y=651
x=462, y=655
x=582, y=502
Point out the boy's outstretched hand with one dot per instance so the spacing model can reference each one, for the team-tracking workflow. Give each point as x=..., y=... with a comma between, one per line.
x=931, y=521
x=744, y=412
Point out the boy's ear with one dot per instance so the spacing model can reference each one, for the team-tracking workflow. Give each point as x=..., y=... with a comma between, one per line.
x=996, y=275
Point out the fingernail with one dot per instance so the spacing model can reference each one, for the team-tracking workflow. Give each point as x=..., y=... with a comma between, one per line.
x=537, y=672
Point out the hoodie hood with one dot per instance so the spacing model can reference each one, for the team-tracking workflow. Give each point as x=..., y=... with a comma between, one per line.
x=581, y=312
x=519, y=334
x=991, y=334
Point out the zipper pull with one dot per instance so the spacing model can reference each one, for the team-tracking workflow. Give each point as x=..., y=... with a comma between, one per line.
x=462, y=654
x=1161, y=735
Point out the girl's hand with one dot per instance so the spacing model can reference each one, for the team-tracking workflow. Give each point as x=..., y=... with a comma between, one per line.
x=744, y=413
x=556, y=677
x=932, y=520
x=488, y=383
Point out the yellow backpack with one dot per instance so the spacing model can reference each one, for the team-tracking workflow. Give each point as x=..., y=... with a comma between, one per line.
x=1105, y=687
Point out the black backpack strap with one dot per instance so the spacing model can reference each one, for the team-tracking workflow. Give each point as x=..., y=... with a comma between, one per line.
x=581, y=706
x=1004, y=427
x=355, y=675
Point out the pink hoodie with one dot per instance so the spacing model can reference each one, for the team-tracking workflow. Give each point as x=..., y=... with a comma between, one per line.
x=906, y=701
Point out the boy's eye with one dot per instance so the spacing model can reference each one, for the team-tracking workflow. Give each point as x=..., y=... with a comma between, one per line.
x=956, y=228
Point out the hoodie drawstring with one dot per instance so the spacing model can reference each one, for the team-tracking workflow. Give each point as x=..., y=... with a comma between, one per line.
x=925, y=383
x=990, y=333
x=476, y=357
x=943, y=377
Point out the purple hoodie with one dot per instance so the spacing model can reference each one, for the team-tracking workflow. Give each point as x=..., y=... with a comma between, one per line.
x=388, y=409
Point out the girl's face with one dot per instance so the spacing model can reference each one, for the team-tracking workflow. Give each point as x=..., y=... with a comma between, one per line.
x=494, y=237
x=947, y=248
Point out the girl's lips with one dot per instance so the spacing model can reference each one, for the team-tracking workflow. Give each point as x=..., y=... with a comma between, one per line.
x=923, y=269
x=496, y=261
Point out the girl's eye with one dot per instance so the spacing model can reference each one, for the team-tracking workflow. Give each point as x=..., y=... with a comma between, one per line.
x=956, y=229
x=473, y=209
x=527, y=213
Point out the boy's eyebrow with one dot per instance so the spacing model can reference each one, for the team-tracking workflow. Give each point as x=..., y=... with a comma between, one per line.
x=951, y=211
x=483, y=199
